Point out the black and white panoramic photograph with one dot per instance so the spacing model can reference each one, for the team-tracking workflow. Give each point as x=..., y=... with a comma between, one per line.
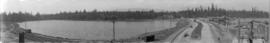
x=134, y=21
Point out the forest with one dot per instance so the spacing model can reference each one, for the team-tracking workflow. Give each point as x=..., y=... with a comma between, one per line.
x=134, y=15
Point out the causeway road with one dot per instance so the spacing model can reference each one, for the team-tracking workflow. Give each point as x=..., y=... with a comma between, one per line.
x=206, y=34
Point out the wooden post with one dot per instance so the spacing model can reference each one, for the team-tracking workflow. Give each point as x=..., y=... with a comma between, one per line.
x=21, y=37
x=150, y=38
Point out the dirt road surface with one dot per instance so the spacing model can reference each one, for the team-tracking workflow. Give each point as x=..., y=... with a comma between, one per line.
x=206, y=37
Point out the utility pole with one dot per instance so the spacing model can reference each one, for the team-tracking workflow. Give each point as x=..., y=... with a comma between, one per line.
x=268, y=29
x=226, y=23
x=113, y=21
x=239, y=32
x=251, y=32
x=113, y=30
x=267, y=33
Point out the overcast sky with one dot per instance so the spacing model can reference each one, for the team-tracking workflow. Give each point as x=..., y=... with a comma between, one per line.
x=55, y=6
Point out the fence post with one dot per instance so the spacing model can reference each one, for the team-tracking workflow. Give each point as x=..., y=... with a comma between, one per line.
x=21, y=37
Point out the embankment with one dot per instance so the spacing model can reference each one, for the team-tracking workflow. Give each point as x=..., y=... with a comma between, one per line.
x=34, y=37
x=162, y=34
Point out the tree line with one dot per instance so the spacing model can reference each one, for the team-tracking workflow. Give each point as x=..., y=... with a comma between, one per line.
x=134, y=15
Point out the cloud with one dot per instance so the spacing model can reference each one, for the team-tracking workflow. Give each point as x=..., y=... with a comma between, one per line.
x=2, y=5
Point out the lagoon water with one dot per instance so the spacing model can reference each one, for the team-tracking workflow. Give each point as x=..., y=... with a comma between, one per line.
x=95, y=30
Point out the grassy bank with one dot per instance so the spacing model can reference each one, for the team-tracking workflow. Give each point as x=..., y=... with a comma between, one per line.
x=14, y=29
x=196, y=34
x=162, y=34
